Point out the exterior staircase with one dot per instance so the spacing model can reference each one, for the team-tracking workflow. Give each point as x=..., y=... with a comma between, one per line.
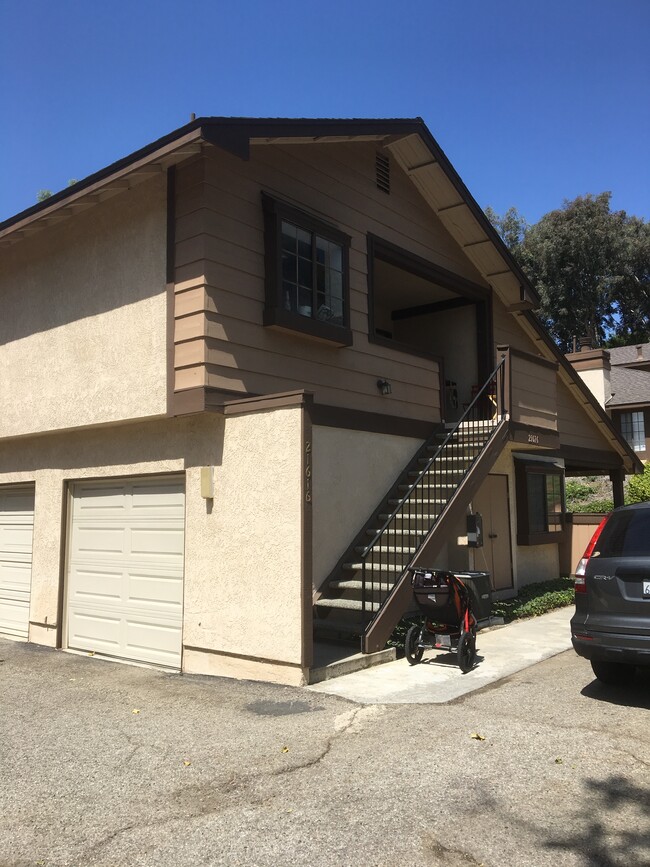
x=369, y=590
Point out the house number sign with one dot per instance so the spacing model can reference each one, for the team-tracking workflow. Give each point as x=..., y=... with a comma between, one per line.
x=308, y=471
x=533, y=438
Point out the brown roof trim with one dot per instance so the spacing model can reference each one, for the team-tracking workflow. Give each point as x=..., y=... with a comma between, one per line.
x=565, y=366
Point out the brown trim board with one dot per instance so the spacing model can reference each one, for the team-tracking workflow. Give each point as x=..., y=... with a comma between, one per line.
x=306, y=525
x=371, y=422
x=170, y=266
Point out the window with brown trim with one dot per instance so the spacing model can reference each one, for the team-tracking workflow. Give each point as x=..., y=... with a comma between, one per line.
x=540, y=502
x=307, y=285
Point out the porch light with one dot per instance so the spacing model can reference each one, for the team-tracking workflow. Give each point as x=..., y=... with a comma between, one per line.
x=384, y=386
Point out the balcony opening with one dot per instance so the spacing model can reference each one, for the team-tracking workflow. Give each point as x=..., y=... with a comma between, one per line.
x=419, y=308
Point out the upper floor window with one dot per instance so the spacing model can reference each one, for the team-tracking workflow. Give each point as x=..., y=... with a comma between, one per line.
x=633, y=429
x=306, y=274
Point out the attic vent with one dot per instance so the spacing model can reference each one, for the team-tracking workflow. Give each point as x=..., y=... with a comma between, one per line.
x=382, y=169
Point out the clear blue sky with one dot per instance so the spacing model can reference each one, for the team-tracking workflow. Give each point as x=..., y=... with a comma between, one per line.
x=534, y=101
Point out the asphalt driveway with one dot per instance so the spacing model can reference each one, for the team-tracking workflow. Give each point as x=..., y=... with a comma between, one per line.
x=107, y=764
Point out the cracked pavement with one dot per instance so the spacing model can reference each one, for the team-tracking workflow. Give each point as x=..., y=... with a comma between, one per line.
x=222, y=772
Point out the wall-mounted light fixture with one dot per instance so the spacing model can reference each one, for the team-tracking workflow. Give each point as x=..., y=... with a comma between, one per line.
x=384, y=386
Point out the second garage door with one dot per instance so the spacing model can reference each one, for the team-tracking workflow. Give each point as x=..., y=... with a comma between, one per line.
x=16, y=529
x=125, y=569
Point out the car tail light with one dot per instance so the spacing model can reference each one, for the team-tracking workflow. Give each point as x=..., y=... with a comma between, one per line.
x=580, y=585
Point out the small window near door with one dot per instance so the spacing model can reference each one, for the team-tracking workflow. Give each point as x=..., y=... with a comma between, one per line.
x=633, y=429
x=540, y=502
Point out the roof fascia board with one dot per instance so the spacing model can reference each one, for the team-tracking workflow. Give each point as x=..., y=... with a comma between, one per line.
x=112, y=176
x=478, y=213
x=570, y=374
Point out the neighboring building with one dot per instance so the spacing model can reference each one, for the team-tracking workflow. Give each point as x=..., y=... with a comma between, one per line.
x=620, y=380
x=233, y=369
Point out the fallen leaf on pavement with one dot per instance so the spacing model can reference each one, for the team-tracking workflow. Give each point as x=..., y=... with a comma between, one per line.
x=558, y=761
x=186, y=763
x=285, y=749
x=477, y=736
x=135, y=710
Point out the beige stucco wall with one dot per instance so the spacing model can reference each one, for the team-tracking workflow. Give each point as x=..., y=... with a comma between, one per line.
x=243, y=594
x=599, y=383
x=243, y=590
x=83, y=325
x=352, y=470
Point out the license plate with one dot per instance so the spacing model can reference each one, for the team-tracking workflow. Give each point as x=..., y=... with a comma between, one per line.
x=646, y=588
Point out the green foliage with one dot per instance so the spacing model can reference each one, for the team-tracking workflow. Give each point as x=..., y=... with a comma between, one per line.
x=588, y=494
x=593, y=506
x=638, y=487
x=41, y=195
x=591, y=267
x=536, y=599
x=577, y=491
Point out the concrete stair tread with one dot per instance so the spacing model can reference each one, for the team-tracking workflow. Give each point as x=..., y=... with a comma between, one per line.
x=351, y=584
x=374, y=567
x=386, y=549
x=346, y=604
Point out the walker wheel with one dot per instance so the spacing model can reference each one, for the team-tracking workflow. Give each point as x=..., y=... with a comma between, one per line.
x=466, y=652
x=413, y=652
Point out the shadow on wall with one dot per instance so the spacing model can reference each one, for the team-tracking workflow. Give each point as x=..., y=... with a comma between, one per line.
x=98, y=260
x=196, y=440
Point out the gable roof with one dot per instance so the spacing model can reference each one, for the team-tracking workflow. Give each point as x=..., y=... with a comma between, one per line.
x=408, y=140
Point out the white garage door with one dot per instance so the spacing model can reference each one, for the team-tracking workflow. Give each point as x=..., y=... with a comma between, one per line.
x=125, y=569
x=16, y=531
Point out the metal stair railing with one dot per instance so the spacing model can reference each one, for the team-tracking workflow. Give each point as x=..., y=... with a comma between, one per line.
x=386, y=557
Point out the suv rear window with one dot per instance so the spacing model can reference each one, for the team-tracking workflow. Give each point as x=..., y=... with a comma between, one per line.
x=626, y=534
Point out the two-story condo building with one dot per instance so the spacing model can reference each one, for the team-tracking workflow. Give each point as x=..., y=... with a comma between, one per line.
x=252, y=372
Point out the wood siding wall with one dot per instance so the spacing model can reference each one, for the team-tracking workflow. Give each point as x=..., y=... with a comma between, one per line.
x=220, y=341
x=574, y=426
x=534, y=392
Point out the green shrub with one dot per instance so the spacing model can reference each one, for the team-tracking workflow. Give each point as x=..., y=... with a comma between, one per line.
x=536, y=599
x=578, y=490
x=593, y=506
x=638, y=487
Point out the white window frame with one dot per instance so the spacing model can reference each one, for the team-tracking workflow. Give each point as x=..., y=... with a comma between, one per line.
x=633, y=429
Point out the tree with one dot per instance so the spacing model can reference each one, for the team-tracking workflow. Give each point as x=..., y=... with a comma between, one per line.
x=42, y=195
x=590, y=265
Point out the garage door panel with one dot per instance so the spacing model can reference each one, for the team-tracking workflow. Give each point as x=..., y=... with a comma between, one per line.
x=157, y=590
x=153, y=642
x=16, y=536
x=126, y=565
x=159, y=543
x=15, y=577
x=94, y=631
x=93, y=542
x=96, y=584
x=14, y=616
x=99, y=501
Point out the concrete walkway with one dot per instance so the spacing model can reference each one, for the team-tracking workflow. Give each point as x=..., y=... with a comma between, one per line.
x=502, y=651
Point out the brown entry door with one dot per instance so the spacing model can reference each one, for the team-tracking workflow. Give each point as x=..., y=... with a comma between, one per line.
x=496, y=554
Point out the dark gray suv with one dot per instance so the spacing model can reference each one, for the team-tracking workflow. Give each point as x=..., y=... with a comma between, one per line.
x=611, y=625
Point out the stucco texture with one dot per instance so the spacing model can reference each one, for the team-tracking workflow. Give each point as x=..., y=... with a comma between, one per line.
x=243, y=578
x=83, y=330
x=352, y=470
